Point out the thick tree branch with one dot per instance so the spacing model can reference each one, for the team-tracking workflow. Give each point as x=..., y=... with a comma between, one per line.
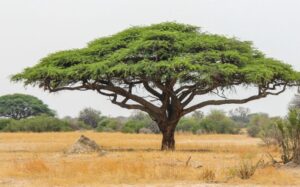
x=115, y=90
x=128, y=106
x=151, y=90
x=192, y=94
x=261, y=94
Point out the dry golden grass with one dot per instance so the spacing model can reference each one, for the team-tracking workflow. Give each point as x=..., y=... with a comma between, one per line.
x=31, y=159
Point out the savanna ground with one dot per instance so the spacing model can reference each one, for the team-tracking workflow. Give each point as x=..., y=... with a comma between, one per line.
x=38, y=159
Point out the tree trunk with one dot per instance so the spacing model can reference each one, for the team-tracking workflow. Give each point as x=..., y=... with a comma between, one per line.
x=168, y=140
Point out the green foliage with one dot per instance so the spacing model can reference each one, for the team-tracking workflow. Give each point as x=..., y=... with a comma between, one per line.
x=215, y=122
x=188, y=124
x=4, y=123
x=268, y=132
x=147, y=122
x=109, y=125
x=90, y=117
x=253, y=130
x=138, y=121
x=37, y=124
x=161, y=51
x=218, y=122
x=191, y=123
x=76, y=124
x=257, y=123
x=133, y=126
x=290, y=136
x=19, y=106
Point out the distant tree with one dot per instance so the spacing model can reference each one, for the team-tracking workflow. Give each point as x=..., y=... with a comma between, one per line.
x=19, y=106
x=198, y=115
x=140, y=120
x=240, y=115
x=42, y=123
x=90, y=117
x=76, y=124
x=217, y=122
x=257, y=122
x=171, y=63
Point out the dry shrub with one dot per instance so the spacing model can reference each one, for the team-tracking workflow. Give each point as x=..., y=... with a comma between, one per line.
x=245, y=170
x=208, y=175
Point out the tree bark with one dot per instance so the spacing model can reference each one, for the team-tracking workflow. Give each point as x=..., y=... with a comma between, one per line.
x=168, y=140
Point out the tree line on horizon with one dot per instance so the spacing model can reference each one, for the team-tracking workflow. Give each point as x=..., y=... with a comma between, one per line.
x=20, y=112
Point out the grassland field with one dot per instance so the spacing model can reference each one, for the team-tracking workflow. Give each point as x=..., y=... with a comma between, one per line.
x=39, y=159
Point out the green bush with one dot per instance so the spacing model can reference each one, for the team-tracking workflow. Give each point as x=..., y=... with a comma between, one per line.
x=257, y=123
x=188, y=124
x=269, y=132
x=133, y=126
x=218, y=122
x=109, y=125
x=145, y=120
x=138, y=121
x=215, y=122
x=76, y=124
x=4, y=123
x=38, y=124
x=253, y=130
x=225, y=126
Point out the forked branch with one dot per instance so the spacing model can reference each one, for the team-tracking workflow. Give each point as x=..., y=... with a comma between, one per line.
x=261, y=94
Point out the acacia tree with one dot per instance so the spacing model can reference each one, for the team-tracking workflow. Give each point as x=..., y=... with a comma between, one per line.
x=20, y=106
x=170, y=64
